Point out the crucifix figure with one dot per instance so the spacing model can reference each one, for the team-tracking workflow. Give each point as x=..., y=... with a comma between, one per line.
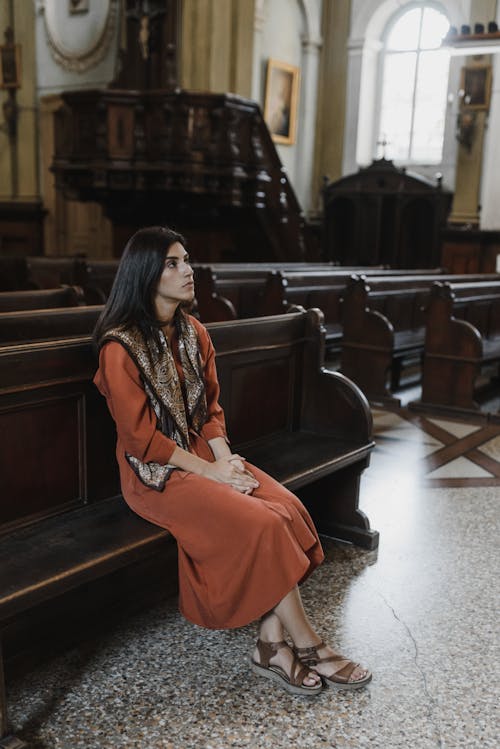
x=145, y=11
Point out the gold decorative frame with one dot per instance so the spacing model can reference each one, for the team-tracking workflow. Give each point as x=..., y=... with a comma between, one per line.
x=475, y=83
x=281, y=100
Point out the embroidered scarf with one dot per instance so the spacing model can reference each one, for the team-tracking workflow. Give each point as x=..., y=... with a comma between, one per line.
x=176, y=412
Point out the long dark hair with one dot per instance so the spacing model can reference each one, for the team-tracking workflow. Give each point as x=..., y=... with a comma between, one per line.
x=131, y=300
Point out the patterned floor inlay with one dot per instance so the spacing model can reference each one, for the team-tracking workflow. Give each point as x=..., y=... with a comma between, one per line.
x=441, y=452
x=456, y=428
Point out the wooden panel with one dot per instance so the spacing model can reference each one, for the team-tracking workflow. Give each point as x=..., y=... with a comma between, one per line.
x=260, y=396
x=41, y=463
x=470, y=251
x=120, y=131
x=102, y=477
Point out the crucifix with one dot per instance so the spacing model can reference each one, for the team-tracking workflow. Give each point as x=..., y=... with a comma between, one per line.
x=383, y=142
x=144, y=12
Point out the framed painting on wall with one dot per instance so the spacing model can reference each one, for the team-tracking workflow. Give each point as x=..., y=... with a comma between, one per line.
x=476, y=86
x=280, y=101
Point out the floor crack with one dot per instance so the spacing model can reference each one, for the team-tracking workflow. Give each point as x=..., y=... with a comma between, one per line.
x=430, y=699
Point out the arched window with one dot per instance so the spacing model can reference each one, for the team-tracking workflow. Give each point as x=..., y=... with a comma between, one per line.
x=414, y=87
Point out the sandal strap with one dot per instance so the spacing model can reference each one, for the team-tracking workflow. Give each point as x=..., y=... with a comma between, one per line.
x=268, y=649
x=331, y=659
x=310, y=657
x=345, y=673
x=297, y=677
x=309, y=652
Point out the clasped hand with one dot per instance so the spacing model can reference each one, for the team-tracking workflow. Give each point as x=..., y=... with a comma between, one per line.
x=231, y=470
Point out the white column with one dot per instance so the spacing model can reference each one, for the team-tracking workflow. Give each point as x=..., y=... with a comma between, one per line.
x=308, y=101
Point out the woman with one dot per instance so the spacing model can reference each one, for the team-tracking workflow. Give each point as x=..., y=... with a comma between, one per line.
x=245, y=542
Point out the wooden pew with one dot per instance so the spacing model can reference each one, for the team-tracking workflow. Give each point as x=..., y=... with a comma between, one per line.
x=30, y=325
x=462, y=337
x=210, y=305
x=97, y=279
x=63, y=523
x=225, y=291
x=40, y=299
x=323, y=289
x=49, y=272
x=384, y=329
x=308, y=289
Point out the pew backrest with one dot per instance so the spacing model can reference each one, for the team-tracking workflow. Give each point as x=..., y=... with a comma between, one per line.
x=475, y=304
x=41, y=299
x=50, y=272
x=401, y=300
x=30, y=325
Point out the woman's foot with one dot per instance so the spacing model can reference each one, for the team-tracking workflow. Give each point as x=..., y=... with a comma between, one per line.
x=336, y=670
x=277, y=661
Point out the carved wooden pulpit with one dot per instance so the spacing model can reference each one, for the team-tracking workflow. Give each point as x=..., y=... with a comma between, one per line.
x=151, y=153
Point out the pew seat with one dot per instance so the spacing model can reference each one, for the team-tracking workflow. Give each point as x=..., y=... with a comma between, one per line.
x=44, y=559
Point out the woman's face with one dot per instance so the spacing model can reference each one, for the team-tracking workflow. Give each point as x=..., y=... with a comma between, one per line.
x=176, y=281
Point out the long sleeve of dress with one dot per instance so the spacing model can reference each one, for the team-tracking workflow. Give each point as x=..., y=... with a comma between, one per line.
x=215, y=424
x=118, y=379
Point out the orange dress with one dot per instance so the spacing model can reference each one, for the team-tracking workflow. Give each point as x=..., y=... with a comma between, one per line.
x=239, y=554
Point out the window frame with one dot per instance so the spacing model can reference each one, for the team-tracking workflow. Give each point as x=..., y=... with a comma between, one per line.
x=394, y=18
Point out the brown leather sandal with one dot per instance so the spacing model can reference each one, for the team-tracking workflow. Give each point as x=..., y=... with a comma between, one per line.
x=292, y=682
x=339, y=679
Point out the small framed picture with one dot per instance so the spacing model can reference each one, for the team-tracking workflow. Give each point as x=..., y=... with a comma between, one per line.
x=281, y=100
x=10, y=66
x=476, y=86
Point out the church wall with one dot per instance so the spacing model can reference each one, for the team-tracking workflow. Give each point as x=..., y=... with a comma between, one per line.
x=73, y=51
x=216, y=46
x=76, y=51
x=284, y=46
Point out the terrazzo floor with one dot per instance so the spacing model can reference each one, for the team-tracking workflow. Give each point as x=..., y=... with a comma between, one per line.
x=421, y=612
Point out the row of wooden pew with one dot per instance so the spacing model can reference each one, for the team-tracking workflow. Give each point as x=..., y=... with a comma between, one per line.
x=379, y=323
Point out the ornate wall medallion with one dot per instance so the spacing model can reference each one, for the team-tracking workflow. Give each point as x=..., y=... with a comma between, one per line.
x=79, y=41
